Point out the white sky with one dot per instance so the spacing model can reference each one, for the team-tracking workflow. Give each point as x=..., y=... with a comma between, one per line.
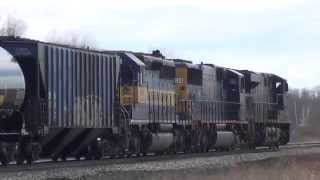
x=277, y=36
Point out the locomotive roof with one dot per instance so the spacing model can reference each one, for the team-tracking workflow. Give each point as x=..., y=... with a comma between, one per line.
x=134, y=59
x=181, y=61
x=157, y=59
x=262, y=74
x=235, y=72
x=4, y=39
x=132, y=55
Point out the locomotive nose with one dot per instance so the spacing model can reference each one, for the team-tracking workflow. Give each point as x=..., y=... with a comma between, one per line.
x=12, y=83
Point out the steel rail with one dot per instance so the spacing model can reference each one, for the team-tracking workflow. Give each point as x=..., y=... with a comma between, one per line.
x=46, y=164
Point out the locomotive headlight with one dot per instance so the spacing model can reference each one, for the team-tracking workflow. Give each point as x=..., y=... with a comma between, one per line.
x=12, y=83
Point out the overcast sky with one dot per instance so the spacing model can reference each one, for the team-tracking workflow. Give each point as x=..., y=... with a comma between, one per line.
x=277, y=36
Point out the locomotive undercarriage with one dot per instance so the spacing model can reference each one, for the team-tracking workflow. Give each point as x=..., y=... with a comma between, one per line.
x=140, y=140
x=136, y=140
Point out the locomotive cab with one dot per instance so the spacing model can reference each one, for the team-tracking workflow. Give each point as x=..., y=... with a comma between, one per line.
x=232, y=86
x=131, y=79
x=280, y=88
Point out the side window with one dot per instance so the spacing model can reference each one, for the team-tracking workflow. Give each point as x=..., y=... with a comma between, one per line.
x=179, y=80
x=265, y=82
x=142, y=77
x=128, y=76
x=195, y=76
x=167, y=72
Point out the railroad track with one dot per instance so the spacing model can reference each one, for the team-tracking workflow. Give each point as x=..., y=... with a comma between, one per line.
x=41, y=165
x=300, y=145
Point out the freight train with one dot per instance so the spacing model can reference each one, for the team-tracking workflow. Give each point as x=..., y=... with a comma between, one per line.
x=58, y=101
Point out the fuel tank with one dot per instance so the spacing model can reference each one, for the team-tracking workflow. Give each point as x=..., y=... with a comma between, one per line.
x=225, y=139
x=12, y=83
x=160, y=142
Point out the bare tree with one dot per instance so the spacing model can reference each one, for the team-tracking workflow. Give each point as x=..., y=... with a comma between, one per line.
x=72, y=39
x=12, y=26
x=303, y=110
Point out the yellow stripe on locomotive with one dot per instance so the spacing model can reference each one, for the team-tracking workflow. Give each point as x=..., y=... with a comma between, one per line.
x=130, y=95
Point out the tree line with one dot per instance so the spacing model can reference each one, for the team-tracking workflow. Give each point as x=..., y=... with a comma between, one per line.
x=11, y=26
x=303, y=106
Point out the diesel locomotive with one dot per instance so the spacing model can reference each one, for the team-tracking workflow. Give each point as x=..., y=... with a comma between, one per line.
x=58, y=101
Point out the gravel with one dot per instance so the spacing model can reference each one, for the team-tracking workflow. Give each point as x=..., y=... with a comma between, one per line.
x=136, y=170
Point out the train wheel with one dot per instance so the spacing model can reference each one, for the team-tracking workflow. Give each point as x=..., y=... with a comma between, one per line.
x=19, y=155
x=63, y=158
x=32, y=151
x=179, y=142
x=121, y=155
x=204, y=144
x=195, y=149
x=55, y=159
x=3, y=154
x=19, y=159
x=28, y=150
x=88, y=157
x=252, y=147
x=159, y=153
x=187, y=146
x=135, y=145
x=94, y=152
x=232, y=148
x=29, y=160
x=97, y=156
x=129, y=155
